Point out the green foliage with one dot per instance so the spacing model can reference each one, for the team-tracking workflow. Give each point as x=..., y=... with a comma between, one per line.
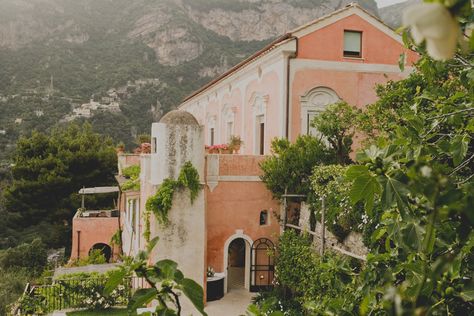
x=79, y=290
x=133, y=175
x=167, y=283
x=320, y=285
x=95, y=256
x=48, y=171
x=291, y=165
x=341, y=217
x=12, y=285
x=32, y=257
x=337, y=125
x=112, y=311
x=420, y=174
x=162, y=201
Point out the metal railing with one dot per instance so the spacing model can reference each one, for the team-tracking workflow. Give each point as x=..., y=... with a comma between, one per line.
x=82, y=293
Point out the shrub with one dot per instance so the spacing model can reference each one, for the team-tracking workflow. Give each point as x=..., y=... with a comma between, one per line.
x=12, y=284
x=95, y=257
x=132, y=173
x=341, y=216
x=317, y=283
x=32, y=257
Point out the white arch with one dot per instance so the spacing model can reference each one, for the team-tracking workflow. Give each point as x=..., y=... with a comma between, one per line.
x=314, y=101
x=239, y=233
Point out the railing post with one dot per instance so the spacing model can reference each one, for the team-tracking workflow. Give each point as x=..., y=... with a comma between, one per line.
x=323, y=226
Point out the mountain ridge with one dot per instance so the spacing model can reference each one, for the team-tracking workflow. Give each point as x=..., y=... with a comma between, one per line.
x=57, y=51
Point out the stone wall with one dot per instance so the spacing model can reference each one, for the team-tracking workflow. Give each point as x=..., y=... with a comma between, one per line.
x=352, y=243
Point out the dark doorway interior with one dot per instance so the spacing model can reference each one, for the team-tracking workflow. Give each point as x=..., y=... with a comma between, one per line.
x=105, y=249
x=236, y=264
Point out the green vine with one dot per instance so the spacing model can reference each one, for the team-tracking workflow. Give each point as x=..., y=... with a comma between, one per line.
x=132, y=173
x=162, y=201
x=147, y=232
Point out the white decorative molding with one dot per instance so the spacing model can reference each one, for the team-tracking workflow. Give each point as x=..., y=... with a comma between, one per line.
x=259, y=103
x=239, y=233
x=239, y=178
x=313, y=102
x=212, y=176
x=228, y=113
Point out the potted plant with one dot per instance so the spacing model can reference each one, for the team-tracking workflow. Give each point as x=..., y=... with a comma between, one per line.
x=235, y=143
x=120, y=148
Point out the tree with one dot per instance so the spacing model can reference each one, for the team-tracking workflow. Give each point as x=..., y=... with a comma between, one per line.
x=420, y=171
x=48, y=172
x=337, y=126
x=291, y=165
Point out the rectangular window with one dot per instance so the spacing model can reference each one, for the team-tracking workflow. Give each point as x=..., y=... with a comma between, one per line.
x=211, y=136
x=230, y=130
x=262, y=138
x=352, y=44
x=154, y=145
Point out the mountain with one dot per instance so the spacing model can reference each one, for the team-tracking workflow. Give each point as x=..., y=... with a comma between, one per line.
x=137, y=57
x=392, y=15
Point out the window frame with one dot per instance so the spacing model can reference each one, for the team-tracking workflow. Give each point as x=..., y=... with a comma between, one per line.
x=344, y=52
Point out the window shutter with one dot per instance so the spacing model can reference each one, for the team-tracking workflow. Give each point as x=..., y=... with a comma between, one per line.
x=352, y=41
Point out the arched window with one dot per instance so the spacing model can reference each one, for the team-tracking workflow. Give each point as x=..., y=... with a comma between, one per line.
x=312, y=103
x=263, y=217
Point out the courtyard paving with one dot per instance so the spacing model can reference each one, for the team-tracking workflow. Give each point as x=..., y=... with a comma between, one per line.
x=234, y=303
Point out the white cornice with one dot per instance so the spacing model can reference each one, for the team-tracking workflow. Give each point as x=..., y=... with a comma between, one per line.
x=279, y=52
x=299, y=64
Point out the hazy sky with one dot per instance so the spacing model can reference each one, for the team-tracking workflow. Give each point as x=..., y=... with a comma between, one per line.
x=384, y=3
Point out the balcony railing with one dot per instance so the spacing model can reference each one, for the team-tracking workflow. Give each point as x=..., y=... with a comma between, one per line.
x=75, y=293
x=97, y=213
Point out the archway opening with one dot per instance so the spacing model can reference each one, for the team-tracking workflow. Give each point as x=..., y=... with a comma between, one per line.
x=104, y=249
x=236, y=264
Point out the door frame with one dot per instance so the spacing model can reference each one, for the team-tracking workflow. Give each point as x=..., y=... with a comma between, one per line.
x=248, y=245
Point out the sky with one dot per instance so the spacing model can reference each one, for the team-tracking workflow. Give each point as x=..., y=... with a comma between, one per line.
x=384, y=3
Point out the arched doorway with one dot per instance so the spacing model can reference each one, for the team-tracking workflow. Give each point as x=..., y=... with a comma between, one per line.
x=233, y=248
x=104, y=248
x=262, y=271
x=236, y=264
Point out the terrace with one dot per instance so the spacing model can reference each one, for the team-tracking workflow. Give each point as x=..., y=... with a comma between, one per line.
x=94, y=229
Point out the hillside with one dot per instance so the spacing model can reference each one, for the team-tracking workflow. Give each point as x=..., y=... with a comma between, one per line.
x=392, y=15
x=144, y=56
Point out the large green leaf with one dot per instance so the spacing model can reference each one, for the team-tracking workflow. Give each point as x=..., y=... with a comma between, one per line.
x=395, y=191
x=458, y=148
x=141, y=298
x=115, y=278
x=194, y=292
x=365, y=186
x=167, y=269
x=412, y=235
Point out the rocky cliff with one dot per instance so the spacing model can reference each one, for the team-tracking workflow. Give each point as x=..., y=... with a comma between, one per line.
x=75, y=50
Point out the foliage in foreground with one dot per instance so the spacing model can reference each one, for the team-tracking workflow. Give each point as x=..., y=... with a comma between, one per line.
x=415, y=178
x=77, y=290
x=167, y=283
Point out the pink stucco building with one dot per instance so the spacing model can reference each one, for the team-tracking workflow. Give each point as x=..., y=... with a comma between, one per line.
x=273, y=94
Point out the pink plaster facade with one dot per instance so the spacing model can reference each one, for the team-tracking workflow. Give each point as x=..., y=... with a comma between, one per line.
x=88, y=231
x=273, y=82
x=235, y=204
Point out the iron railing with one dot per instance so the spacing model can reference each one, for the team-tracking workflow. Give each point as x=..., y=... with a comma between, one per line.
x=82, y=293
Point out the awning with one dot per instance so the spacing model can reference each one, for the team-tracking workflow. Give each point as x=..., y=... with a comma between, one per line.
x=99, y=190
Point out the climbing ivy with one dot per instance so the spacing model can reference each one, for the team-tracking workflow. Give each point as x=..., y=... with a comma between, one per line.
x=132, y=173
x=162, y=201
